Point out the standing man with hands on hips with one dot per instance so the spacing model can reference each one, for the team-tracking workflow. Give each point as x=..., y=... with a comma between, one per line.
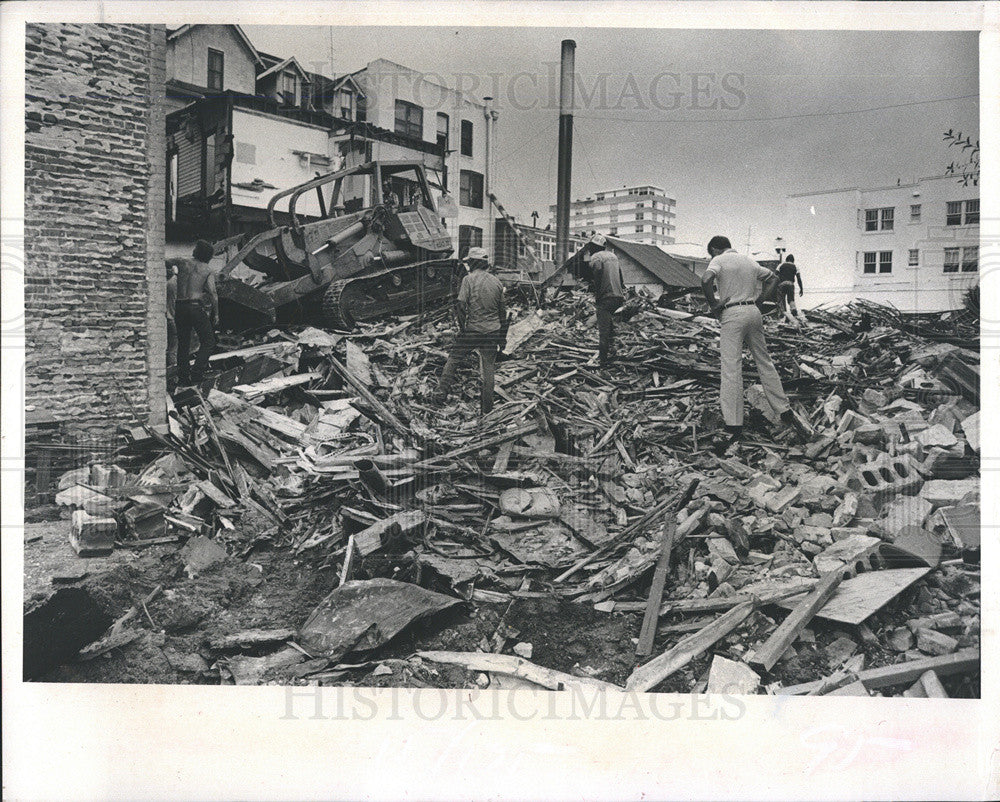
x=731, y=285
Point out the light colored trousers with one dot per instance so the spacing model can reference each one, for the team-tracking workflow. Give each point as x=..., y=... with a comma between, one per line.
x=739, y=325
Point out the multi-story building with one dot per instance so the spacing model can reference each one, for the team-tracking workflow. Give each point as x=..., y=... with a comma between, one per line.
x=414, y=106
x=643, y=214
x=914, y=246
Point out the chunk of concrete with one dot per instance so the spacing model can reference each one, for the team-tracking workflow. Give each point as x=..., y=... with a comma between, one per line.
x=905, y=511
x=936, y=435
x=971, y=428
x=948, y=492
x=901, y=639
x=930, y=641
x=91, y=536
x=201, y=553
x=730, y=676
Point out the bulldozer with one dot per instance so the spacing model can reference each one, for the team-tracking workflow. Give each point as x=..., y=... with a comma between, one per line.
x=370, y=243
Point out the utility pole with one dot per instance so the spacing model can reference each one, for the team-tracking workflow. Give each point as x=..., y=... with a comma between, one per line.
x=566, y=93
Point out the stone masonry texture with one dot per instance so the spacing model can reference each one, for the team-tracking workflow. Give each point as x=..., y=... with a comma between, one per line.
x=95, y=283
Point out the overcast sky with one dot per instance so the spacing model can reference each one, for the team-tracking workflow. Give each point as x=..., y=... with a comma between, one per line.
x=678, y=107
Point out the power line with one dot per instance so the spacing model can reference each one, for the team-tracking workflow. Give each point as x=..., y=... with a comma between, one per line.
x=770, y=119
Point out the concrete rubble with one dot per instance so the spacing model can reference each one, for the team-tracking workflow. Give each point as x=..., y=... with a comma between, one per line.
x=324, y=449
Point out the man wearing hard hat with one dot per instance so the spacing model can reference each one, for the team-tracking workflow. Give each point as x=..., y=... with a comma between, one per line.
x=482, y=321
x=607, y=283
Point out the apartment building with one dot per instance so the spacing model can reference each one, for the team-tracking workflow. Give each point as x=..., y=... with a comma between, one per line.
x=913, y=245
x=644, y=214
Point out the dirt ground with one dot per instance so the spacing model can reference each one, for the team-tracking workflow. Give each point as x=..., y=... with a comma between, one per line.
x=272, y=589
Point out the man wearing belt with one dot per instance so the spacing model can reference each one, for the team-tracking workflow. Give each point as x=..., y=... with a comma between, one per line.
x=482, y=321
x=736, y=278
x=607, y=284
x=195, y=287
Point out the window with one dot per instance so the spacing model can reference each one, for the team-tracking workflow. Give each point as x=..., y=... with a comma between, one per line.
x=287, y=88
x=953, y=215
x=466, y=146
x=216, y=60
x=914, y=259
x=613, y=232
x=638, y=215
x=914, y=212
x=600, y=197
x=951, y=259
x=362, y=108
x=469, y=237
x=970, y=259
x=306, y=96
x=638, y=229
x=470, y=191
x=442, y=131
x=972, y=212
x=877, y=262
x=640, y=205
x=246, y=153
x=879, y=219
x=409, y=119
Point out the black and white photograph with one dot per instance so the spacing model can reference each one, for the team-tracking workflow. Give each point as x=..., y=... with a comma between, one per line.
x=490, y=367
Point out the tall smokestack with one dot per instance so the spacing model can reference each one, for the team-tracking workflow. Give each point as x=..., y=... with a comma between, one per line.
x=566, y=89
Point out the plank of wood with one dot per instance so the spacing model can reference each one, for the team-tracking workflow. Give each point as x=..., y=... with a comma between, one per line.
x=651, y=617
x=358, y=364
x=865, y=594
x=767, y=655
x=960, y=662
x=377, y=535
x=215, y=494
x=503, y=457
x=350, y=558
x=518, y=667
x=659, y=668
x=275, y=384
x=489, y=442
x=386, y=416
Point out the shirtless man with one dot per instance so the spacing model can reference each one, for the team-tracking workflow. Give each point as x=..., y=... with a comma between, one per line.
x=195, y=291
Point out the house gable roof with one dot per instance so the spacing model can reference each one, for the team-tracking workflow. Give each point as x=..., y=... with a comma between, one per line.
x=291, y=61
x=240, y=35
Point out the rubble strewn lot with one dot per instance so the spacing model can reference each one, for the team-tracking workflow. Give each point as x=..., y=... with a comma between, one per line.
x=312, y=517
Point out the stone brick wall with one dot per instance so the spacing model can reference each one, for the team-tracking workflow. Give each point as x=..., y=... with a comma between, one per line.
x=95, y=284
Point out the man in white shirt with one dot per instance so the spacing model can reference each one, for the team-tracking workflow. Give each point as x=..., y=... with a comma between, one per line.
x=732, y=287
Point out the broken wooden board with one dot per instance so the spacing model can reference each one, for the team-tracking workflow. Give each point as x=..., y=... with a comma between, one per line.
x=651, y=616
x=514, y=666
x=856, y=688
x=659, y=668
x=521, y=331
x=381, y=532
x=802, y=613
x=864, y=595
x=251, y=392
x=963, y=524
x=254, y=670
x=364, y=614
x=251, y=638
x=358, y=364
x=961, y=662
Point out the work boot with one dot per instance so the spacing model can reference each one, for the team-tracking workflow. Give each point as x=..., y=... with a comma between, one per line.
x=800, y=432
x=729, y=442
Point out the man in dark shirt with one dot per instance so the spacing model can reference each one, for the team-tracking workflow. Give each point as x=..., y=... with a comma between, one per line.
x=482, y=321
x=788, y=273
x=609, y=293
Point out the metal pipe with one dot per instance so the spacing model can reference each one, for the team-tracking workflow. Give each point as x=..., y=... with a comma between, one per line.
x=566, y=102
x=372, y=476
x=488, y=224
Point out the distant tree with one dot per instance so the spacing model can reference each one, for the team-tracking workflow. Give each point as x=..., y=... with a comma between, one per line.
x=966, y=168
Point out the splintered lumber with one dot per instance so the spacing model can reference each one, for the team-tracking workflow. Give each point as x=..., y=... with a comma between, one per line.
x=659, y=668
x=652, y=615
x=767, y=655
x=960, y=662
x=377, y=535
x=377, y=406
x=862, y=596
x=274, y=384
x=514, y=666
x=489, y=442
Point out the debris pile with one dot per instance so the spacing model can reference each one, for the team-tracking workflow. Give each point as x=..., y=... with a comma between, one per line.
x=847, y=564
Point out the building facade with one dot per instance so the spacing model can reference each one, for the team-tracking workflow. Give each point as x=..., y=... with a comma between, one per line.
x=914, y=246
x=95, y=284
x=643, y=214
x=526, y=250
x=412, y=105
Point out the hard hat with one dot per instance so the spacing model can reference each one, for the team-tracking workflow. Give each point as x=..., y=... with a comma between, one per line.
x=599, y=239
x=478, y=253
